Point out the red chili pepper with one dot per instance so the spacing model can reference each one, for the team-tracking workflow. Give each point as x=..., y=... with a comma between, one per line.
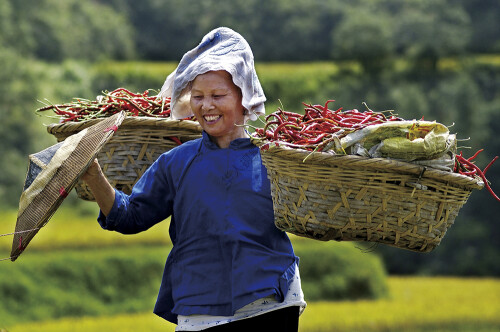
x=489, y=165
x=475, y=155
x=276, y=116
x=290, y=114
x=293, y=135
x=328, y=102
x=310, y=111
x=116, y=91
x=366, y=119
x=317, y=139
x=471, y=173
x=309, y=130
x=107, y=107
x=471, y=165
x=112, y=102
x=175, y=139
x=283, y=125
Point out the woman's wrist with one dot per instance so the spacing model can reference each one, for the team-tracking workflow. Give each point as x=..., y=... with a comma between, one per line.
x=104, y=193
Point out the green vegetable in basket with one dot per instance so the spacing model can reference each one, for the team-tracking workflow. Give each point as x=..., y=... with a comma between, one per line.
x=404, y=140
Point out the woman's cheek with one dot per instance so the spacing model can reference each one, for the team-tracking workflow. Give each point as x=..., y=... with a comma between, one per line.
x=194, y=105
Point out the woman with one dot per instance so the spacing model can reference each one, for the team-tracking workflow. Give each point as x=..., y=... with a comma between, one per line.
x=230, y=267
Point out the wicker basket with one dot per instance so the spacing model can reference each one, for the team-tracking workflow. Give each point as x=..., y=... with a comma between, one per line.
x=135, y=146
x=352, y=198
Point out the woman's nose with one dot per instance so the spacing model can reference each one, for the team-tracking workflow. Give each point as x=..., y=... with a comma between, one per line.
x=207, y=103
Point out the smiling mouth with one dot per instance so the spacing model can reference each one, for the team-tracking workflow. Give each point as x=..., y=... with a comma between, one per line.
x=211, y=118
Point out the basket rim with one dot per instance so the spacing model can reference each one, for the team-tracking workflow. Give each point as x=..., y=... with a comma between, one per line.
x=128, y=121
x=355, y=161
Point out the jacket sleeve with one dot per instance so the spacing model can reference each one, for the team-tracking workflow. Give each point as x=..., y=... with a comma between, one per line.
x=150, y=202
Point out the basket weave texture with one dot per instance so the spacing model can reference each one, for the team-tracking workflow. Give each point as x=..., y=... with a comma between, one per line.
x=353, y=198
x=135, y=146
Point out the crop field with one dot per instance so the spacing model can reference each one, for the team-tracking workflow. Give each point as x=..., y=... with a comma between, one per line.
x=415, y=304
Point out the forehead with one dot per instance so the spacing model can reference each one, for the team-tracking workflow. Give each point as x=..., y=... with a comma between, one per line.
x=214, y=80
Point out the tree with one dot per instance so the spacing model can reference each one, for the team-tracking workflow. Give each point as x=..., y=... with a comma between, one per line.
x=54, y=30
x=364, y=36
x=484, y=24
x=18, y=128
x=428, y=30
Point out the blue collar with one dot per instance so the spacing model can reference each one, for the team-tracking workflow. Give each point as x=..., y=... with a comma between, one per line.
x=239, y=143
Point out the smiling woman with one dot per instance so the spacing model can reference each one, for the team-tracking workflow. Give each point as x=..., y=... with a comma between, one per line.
x=216, y=103
x=230, y=268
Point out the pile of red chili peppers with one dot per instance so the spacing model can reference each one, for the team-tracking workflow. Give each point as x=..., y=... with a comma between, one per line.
x=466, y=166
x=121, y=99
x=318, y=126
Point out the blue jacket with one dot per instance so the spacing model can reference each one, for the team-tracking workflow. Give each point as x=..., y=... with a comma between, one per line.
x=226, y=251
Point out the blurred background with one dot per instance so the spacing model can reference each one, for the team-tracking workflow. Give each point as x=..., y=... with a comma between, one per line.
x=436, y=59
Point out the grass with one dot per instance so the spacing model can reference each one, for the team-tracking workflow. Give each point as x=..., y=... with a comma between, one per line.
x=416, y=304
x=153, y=68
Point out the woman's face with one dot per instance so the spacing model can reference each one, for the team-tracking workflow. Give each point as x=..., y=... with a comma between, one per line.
x=216, y=103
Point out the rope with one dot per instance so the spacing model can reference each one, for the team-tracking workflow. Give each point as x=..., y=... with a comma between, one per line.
x=20, y=232
x=20, y=243
x=8, y=258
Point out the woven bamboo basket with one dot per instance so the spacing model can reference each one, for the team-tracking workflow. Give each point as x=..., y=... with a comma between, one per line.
x=138, y=142
x=353, y=198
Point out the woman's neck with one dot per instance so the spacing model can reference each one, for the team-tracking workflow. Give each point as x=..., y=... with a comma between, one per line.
x=223, y=142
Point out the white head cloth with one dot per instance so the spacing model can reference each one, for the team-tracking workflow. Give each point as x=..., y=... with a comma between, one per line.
x=220, y=49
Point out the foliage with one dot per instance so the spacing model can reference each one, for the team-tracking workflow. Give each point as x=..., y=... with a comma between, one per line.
x=416, y=304
x=484, y=19
x=366, y=37
x=302, y=29
x=19, y=130
x=339, y=271
x=80, y=283
x=444, y=30
x=56, y=30
x=305, y=30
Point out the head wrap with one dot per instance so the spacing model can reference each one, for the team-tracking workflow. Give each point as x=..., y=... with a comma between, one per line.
x=220, y=49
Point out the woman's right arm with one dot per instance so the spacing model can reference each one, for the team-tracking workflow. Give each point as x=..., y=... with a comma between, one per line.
x=102, y=190
x=150, y=202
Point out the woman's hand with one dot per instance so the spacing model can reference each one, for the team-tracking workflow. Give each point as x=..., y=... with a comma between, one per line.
x=100, y=187
x=93, y=172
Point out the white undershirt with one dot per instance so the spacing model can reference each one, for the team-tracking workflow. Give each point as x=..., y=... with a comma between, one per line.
x=294, y=297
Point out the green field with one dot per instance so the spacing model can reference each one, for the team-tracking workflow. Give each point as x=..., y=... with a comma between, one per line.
x=415, y=304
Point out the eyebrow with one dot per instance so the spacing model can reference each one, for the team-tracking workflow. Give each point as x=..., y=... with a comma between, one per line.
x=216, y=90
